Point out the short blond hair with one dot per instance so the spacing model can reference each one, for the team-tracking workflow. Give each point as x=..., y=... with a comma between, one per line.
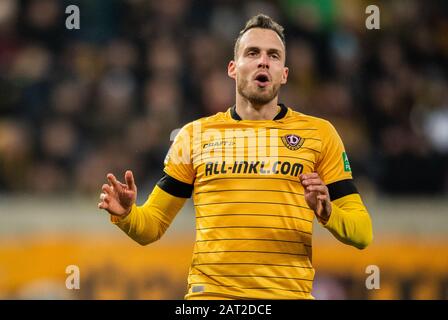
x=260, y=21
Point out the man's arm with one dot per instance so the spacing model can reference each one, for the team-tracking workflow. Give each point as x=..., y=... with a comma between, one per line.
x=345, y=217
x=331, y=193
x=350, y=222
x=147, y=223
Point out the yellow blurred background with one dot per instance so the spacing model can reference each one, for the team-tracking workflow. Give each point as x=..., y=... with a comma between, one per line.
x=410, y=249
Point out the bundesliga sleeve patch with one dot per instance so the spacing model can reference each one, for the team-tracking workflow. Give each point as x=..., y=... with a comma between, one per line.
x=347, y=167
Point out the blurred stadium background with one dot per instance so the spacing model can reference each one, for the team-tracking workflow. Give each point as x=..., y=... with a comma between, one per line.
x=76, y=104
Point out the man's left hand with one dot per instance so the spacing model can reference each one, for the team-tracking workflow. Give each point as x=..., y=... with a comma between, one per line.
x=316, y=196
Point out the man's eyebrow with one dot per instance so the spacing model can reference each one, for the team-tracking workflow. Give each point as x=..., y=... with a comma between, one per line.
x=257, y=49
x=273, y=50
x=253, y=48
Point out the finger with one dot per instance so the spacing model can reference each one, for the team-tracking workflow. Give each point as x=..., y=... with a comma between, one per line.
x=104, y=197
x=129, y=179
x=317, y=188
x=123, y=185
x=103, y=205
x=311, y=175
x=322, y=197
x=114, y=182
x=107, y=189
x=309, y=182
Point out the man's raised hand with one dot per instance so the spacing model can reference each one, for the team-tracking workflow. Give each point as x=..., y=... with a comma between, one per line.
x=316, y=195
x=117, y=198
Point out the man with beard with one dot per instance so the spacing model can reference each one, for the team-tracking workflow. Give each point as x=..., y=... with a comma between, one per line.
x=259, y=174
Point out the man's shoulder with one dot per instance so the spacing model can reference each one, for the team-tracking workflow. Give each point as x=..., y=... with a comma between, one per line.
x=320, y=123
x=217, y=118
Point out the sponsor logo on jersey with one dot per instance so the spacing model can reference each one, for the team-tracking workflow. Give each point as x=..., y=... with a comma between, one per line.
x=254, y=167
x=214, y=144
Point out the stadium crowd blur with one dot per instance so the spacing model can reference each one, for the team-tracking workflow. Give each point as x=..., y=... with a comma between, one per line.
x=76, y=104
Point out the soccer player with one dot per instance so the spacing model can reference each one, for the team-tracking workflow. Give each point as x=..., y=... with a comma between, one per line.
x=259, y=173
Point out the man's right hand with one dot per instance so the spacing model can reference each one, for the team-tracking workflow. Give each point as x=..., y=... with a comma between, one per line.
x=117, y=198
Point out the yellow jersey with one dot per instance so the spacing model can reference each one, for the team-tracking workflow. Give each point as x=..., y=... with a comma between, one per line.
x=253, y=225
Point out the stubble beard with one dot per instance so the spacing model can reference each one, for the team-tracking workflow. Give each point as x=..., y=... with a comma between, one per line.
x=258, y=96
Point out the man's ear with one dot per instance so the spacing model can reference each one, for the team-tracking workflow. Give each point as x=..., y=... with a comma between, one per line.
x=231, y=69
x=285, y=75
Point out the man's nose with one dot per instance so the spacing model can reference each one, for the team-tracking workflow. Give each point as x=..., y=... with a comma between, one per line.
x=264, y=61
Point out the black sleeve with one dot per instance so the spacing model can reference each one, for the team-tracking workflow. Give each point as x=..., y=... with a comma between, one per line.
x=175, y=187
x=341, y=189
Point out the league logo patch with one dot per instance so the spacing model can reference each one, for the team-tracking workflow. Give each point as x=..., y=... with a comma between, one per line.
x=292, y=141
x=347, y=167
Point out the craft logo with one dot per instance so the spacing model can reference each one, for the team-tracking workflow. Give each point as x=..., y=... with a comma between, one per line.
x=292, y=142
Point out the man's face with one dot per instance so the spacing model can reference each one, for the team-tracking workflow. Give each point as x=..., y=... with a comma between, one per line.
x=259, y=67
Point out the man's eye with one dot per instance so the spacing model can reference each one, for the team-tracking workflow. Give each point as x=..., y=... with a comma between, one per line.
x=251, y=53
x=275, y=56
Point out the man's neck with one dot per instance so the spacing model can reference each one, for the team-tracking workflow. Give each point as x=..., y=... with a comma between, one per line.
x=249, y=111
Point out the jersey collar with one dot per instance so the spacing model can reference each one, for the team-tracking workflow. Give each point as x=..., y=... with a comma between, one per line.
x=280, y=115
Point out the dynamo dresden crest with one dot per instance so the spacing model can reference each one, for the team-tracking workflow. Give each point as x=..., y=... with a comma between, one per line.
x=292, y=141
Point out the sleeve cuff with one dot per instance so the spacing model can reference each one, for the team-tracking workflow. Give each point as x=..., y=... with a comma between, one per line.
x=121, y=221
x=334, y=217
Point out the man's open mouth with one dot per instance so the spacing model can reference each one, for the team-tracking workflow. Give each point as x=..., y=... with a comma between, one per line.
x=262, y=80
